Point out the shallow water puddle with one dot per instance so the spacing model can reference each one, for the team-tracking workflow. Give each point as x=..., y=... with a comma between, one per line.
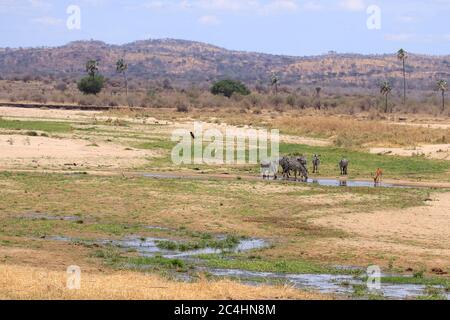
x=324, y=283
x=320, y=182
x=243, y=245
x=352, y=183
x=39, y=216
x=148, y=247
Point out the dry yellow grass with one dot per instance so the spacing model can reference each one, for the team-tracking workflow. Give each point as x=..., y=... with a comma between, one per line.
x=18, y=282
x=343, y=130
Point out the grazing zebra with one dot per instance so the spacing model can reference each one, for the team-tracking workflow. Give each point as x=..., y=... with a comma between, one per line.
x=303, y=160
x=343, y=165
x=316, y=163
x=297, y=165
x=284, y=163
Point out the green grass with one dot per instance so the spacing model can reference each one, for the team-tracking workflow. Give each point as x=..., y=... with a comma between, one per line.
x=260, y=265
x=157, y=261
x=113, y=257
x=46, y=126
x=432, y=293
x=363, y=164
x=428, y=281
x=229, y=242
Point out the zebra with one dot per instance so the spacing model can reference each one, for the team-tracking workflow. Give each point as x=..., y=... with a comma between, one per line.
x=316, y=163
x=284, y=163
x=303, y=160
x=297, y=165
x=343, y=165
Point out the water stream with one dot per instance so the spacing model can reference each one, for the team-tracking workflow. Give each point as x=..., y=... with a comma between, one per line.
x=339, y=284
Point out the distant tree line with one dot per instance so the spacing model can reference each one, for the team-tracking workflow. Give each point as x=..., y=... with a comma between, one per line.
x=94, y=82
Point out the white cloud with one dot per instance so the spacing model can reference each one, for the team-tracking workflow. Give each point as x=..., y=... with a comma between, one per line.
x=313, y=6
x=353, y=5
x=401, y=37
x=237, y=6
x=48, y=21
x=24, y=6
x=209, y=20
x=406, y=19
x=154, y=5
x=223, y=5
x=279, y=6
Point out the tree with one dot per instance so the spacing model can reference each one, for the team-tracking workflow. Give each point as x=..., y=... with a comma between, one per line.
x=318, y=104
x=122, y=67
x=229, y=87
x=385, y=89
x=442, y=86
x=92, y=67
x=93, y=83
x=402, y=55
x=274, y=82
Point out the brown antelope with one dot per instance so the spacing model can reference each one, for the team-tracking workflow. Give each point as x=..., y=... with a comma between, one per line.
x=378, y=176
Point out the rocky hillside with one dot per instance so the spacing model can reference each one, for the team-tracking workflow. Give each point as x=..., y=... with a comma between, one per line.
x=185, y=63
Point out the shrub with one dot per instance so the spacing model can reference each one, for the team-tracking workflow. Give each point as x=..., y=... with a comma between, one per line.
x=37, y=97
x=182, y=108
x=91, y=84
x=61, y=87
x=291, y=100
x=229, y=87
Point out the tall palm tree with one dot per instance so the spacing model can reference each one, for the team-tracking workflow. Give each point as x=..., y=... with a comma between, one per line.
x=318, y=90
x=402, y=55
x=92, y=67
x=122, y=67
x=318, y=105
x=442, y=86
x=385, y=89
x=275, y=81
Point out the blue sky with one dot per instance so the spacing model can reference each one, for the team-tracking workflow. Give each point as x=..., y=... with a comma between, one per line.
x=293, y=27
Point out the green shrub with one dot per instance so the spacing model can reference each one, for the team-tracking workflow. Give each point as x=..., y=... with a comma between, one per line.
x=91, y=84
x=229, y=87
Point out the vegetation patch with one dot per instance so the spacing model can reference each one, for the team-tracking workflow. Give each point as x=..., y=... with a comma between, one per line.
x=280, y=266
x=229, y=242
x=47, y=126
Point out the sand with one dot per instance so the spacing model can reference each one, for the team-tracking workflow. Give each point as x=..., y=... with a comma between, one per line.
x=19, y=151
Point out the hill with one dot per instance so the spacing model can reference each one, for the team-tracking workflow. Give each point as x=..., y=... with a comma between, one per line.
x=184, y=63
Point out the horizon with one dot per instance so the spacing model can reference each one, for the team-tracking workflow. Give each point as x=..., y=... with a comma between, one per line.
x=278, y=27
x=224, y=48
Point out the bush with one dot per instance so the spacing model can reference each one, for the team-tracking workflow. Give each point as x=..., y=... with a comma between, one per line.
x=229, y=87
x=91, y=84
x=61, y=87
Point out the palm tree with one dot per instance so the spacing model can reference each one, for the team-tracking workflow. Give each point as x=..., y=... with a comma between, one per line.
x=318, y=90
x=92, y=67
x=275, y=81
x=122, y=67
x=318, y=105
x=402, y=55
x=385, y=89
x=442, y=85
